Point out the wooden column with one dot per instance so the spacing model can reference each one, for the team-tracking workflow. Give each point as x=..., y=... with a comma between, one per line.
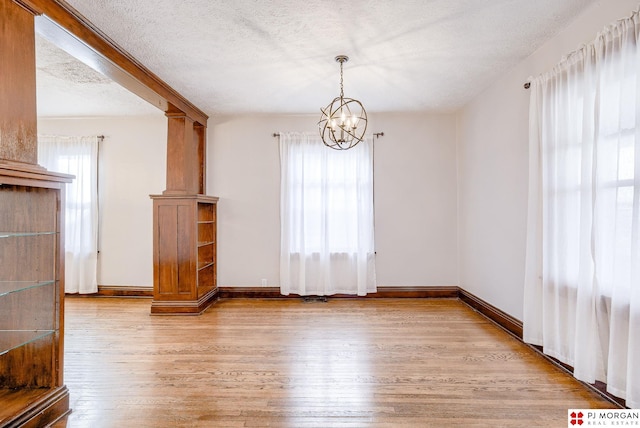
x=201, y=137
x=184, y=224
x=18, y=117
x=184, y=169
x=32, y=242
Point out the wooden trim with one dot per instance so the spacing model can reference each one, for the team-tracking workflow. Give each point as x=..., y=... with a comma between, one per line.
x=28, y=6
x=437, y=292
x=78, y=36
x=204, y=198
x=124, y=291
x=188, y=307
x=252, y=293
x=52, y=406
x=20, y=169
x=383, y=292
x=504, y=320
x=599, y=388
x=514, y=326
x=230, y=292
x=117, y=291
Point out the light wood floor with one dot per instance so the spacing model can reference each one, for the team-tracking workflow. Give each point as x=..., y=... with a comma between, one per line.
x=286, y=363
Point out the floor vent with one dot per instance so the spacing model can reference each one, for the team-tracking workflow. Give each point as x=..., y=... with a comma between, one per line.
x=314, y=299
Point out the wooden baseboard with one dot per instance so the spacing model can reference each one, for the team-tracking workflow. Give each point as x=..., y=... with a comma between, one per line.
x=504, y=320
x=274, y=292
x=251, y=293
x=383, y=292
x=435, y=292
x=124, y=291
x=186, y=307
x=514, y=326
x=118, y=291
x=599, y=387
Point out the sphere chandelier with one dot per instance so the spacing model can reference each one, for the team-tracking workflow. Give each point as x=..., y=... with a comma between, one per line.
x=344, y=121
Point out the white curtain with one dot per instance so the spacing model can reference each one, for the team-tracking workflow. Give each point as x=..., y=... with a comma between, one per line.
x=326, y=212
x=77, y=156
x=582, y=284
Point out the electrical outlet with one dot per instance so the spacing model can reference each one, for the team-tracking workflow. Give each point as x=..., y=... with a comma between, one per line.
x=264, y=282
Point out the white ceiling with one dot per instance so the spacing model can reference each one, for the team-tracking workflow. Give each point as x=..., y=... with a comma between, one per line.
x=277, y=56
x=69, y=88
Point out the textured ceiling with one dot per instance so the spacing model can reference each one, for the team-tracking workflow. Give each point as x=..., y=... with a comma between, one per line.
x=252, y=56
x=69, y=88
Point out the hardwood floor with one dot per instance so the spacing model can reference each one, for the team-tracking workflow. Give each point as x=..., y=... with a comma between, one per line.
x=286, y=363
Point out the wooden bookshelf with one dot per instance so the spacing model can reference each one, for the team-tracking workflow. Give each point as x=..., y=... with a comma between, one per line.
x=184, y=259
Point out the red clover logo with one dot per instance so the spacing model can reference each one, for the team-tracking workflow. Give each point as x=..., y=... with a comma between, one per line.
x=576, y=418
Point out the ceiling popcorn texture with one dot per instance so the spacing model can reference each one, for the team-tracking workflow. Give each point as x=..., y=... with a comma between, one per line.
x=68, y=88
x=249, y=56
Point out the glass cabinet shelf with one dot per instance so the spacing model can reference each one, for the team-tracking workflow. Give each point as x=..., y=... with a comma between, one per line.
x=19, y=234
x=8, y=287
x=12, y=339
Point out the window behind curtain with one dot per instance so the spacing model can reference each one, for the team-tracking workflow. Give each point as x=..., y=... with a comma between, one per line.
x=327, y=243
x=582, y=280
x=77, y=156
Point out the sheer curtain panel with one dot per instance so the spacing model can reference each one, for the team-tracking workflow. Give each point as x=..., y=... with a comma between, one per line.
x=582, y=283
x=77, y=156
x=326, y=213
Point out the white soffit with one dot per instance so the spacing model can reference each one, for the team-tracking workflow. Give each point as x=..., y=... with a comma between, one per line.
x=248, y=56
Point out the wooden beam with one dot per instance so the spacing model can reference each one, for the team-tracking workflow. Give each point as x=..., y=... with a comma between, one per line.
x=28, y=6
x=67, y=28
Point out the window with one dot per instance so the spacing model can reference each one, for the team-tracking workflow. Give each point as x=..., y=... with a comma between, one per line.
x=77, y=156
x=582, y=279
x=326, y=217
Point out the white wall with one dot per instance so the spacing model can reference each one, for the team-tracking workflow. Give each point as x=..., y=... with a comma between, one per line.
x=432, y=227
x=493, y=166
x=132, y=166
x=415, y=197
x=415, y=193
x=415, y=200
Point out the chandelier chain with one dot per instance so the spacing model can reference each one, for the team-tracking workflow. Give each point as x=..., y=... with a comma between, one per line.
x=341, y=85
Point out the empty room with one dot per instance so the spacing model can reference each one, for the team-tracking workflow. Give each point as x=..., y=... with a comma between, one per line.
x=332, y=214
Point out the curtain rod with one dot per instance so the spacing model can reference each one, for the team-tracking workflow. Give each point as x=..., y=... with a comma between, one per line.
x=99, y=137
x=566, y=57
x=375, y=134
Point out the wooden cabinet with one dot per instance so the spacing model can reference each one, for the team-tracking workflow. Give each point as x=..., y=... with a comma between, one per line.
x=184, y=259
x=32, y=392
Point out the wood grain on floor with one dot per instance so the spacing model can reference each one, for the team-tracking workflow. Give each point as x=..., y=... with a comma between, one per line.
x=287, y=363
